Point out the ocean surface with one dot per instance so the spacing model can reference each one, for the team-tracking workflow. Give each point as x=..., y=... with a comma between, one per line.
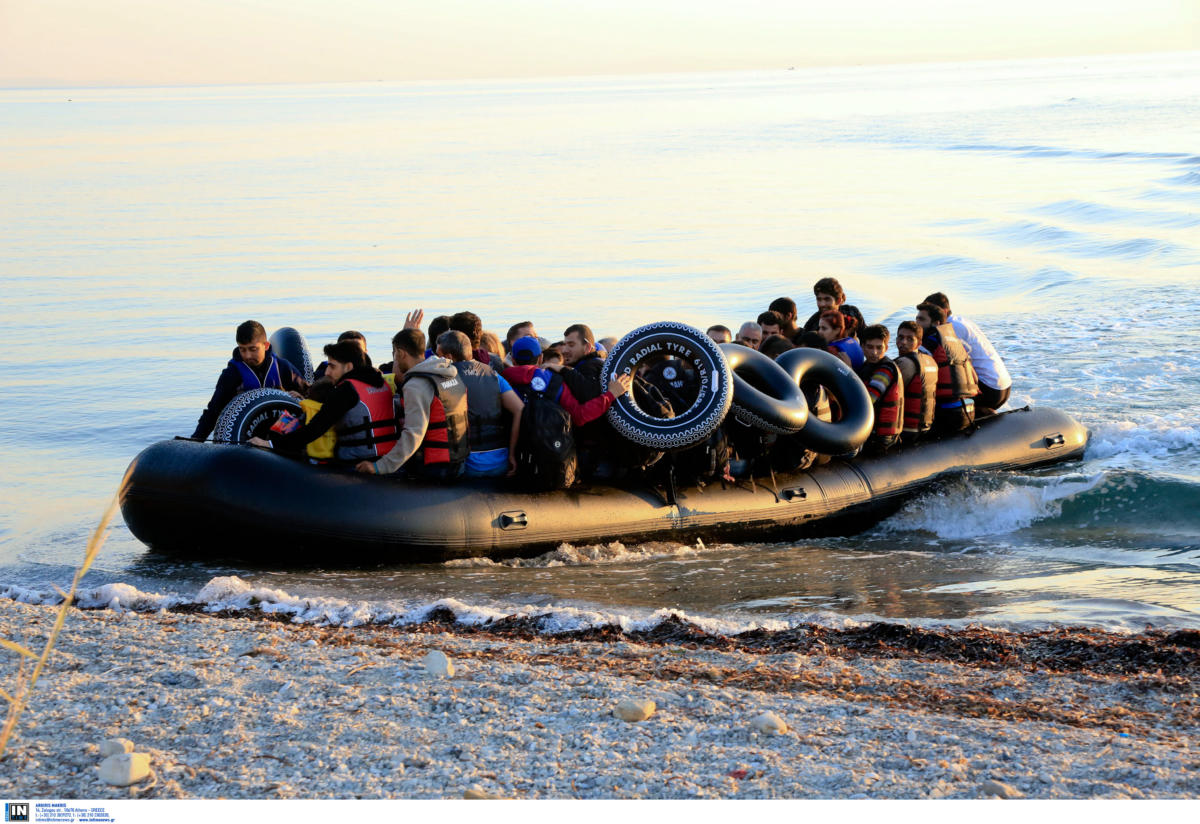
x=1057, y=202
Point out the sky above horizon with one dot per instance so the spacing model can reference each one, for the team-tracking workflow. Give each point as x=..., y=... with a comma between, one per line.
x=160, y=42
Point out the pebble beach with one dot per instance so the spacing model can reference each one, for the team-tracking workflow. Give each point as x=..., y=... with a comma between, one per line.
x=245, y=704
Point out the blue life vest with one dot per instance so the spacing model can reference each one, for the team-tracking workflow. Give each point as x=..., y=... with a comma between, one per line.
x=852, y=350
x=250, y=379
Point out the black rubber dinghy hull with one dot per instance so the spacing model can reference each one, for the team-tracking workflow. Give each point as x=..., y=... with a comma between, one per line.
x=234, y=501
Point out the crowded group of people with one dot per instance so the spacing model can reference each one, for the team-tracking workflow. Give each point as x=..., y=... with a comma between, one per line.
x=455, y=400
x=946, y=374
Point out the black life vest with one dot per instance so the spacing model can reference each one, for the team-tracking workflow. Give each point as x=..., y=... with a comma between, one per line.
x=445, y=439
x=485, y=415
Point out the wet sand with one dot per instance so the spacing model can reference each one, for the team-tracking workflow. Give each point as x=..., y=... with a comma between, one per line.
x=250, y=705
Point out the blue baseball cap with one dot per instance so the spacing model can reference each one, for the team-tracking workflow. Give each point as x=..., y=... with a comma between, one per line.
x=526, y=350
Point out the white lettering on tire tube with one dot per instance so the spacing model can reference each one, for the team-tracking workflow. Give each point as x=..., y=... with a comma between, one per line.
x=688, y=426
x=247, y=413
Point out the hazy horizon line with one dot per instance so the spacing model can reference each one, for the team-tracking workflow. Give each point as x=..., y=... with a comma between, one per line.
x=37, y=84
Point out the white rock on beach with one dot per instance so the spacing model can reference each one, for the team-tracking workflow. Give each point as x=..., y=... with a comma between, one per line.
x=1000, y=789
x=437, y=664
x=115, y=746
x=769, y=722
x=125, y=768
x=476, y=794
x=630, y=710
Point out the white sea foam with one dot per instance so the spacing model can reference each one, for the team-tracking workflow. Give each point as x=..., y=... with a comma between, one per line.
x=596, y=555
x=967, y=511
x=233, y=595
x=1152, y=436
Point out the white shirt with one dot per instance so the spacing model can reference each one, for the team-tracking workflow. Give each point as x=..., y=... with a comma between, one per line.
x=987, y=363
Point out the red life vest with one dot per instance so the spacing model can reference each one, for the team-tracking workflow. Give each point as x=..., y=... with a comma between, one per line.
x=368, y=430
x=446, y=436
x=920, y=396
x=956, y=376
x=888, y=418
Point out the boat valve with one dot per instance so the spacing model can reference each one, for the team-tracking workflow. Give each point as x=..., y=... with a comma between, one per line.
x=513, y=520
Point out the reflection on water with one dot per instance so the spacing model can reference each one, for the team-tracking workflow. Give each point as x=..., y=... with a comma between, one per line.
x=1054, y=201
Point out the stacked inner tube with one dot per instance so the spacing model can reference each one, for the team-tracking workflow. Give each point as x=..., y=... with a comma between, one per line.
x=289, y=344
x=814, y=366
x=769, y=395
x=762, y=393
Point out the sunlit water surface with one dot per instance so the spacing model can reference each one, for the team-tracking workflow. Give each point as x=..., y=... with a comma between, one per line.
x=1056, y=202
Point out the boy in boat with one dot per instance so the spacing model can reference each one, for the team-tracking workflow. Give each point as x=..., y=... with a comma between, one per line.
x=881, y=376
x=919, y=374
x=252, y=366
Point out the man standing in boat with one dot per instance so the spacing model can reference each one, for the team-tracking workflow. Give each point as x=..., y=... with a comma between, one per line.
x=252, y=366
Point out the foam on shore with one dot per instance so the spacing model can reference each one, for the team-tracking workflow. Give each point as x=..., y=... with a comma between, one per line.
x=233, y=595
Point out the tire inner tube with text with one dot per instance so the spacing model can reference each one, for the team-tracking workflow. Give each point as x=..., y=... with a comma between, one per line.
x=713, y=386
x=252, y=413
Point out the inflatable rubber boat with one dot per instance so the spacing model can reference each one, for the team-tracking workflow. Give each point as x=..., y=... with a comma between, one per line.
x=231, y=499
x=241, y=501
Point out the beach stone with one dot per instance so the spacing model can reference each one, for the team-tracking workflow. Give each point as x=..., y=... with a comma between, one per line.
x=476, y=794
x=769, y=722
x=438, y=665
x=1000, y=789
x=125, y=768
x=115, y=746
x=632, y=711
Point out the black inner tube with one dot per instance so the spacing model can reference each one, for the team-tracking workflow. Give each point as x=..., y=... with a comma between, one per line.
x=765, y=396
x=806, y=367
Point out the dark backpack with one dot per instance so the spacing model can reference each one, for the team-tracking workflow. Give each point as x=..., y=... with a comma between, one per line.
x=546, y=457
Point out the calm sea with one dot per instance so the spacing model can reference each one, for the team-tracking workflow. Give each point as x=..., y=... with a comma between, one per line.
x=1056, y=202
